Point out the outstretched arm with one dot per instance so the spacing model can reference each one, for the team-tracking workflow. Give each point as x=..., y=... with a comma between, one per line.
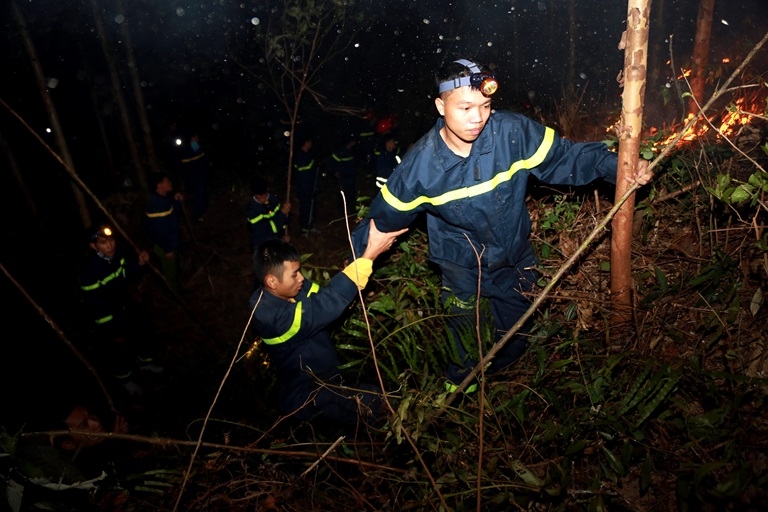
x=378, y=241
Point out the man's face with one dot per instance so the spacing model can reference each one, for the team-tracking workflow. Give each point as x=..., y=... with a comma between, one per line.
x=289, y=284
x=105, y=245
x=81, y=419
x=466, y=111
x=164, y=186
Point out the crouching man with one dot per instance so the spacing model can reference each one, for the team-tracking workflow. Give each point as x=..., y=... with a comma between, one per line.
x=292, y=315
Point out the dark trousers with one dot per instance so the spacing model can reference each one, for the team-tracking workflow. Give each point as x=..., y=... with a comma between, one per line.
x=305, y=191
x=505, y=290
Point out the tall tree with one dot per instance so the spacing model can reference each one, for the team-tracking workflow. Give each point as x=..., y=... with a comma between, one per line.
x=297, y=41
x=58, y=133
x=635, y=42
x=138, y=93
x=700, y=61
x=117, y=94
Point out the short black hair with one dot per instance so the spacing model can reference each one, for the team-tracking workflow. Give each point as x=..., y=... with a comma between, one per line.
x=268, y=258
x=452, y=70
x=157, y=177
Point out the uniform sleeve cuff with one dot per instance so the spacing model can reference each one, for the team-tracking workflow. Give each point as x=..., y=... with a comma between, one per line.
x=359, y=271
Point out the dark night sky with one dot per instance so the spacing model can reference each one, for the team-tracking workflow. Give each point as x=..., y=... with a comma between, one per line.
x=189, y=77
x=181, y=48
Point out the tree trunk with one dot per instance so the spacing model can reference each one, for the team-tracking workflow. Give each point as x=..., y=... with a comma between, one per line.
x=141, y=109
x=630, y=126
x=701, y=53
x=92, y=88
x=572, y=31
x=117, y=92
x=61, y=142
x=17, y=175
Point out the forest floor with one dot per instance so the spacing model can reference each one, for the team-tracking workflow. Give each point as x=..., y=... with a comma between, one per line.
x=697, y=276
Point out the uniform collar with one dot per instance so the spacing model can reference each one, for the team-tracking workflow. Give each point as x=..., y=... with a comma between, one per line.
x=104, y=256
x=447, y=158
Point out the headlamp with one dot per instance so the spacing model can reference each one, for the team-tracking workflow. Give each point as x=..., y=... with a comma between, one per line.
x=102, y=232
x=483, y=81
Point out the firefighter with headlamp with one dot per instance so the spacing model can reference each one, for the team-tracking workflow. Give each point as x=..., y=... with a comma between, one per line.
x=469, y=174
x=120, y=330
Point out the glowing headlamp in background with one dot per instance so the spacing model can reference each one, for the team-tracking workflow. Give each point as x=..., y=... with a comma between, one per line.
x=484, y=81
x=102, y=232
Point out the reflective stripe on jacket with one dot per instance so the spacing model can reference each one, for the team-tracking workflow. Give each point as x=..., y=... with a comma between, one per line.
x=265, y=220
x=295, y=334
x=482, y=196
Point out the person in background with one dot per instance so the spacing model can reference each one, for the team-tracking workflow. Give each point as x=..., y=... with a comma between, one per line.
x=292, y=316
x=162, y=213
x=81, y=418
x=121, y=341
x=469, y=174
x=266, y=217
x=387, y=160
x=305, y=177
x=194, y=169
x=344, y=167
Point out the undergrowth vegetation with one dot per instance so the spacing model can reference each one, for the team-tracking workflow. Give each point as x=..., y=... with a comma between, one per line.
x=670, y=415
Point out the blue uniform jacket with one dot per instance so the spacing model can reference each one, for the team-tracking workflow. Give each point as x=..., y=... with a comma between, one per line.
x=483, y=195
x=105, y=286
x=342, y=161
x=265, y=220
x=296, y=335
x=163, y=222
x=305, y=173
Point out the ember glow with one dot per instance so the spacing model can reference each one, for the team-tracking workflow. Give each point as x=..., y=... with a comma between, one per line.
x=733, y=118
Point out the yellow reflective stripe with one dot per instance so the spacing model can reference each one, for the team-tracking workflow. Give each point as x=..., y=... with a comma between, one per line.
x=257, y=219
x=306, y=167
x=451, y=387
x=480, y=188
x=267, y=215
x=292, y=330
x=313, y=288
x=119, y=272
x=187, y=160
x=155, y=215
x=104, y=320
x=272, y=225
x=340, y=159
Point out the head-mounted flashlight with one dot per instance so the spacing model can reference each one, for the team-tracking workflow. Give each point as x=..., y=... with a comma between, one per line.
x=484, y=81
x=102, y=232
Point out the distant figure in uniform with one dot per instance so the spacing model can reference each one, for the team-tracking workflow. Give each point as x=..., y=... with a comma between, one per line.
x=344, y=167
x=387, y=160
x=194, y=169
x=305, y=178
x=162, y=213
x=122, y=332
x=267, y=218
x=292, y=317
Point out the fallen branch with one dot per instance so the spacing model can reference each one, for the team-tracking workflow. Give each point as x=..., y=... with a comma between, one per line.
x=169, y=442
